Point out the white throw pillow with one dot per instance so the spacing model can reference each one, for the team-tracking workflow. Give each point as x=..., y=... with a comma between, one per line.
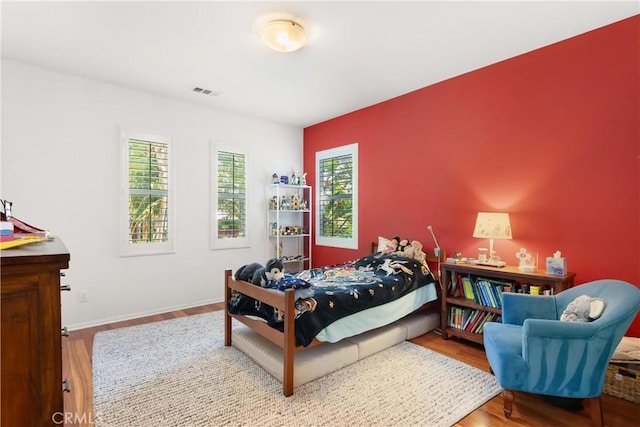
x=386, y=245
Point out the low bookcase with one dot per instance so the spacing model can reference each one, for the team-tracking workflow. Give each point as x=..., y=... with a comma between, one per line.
x=472, y=295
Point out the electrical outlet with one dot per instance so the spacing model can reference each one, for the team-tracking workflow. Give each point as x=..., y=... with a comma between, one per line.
x=83, y=296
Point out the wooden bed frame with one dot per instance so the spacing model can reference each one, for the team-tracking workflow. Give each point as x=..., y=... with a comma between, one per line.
x=286, y=303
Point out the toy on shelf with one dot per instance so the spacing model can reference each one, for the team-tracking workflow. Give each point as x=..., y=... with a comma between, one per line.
x=527, y=261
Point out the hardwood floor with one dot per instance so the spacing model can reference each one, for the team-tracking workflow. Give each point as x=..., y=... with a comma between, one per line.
x=529, y=410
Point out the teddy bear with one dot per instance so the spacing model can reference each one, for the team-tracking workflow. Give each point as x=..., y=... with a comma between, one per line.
x=414, y=250
x=583, y=309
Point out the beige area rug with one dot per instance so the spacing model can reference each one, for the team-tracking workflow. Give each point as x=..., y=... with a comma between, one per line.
x=178, y=373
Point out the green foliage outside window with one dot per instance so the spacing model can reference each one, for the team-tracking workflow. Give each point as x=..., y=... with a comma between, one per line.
x=336, y=197
x=148, y=191
x=231, y=195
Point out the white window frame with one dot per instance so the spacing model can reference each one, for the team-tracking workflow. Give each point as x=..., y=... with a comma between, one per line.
x=338, y=242
x=236, y=242
x=156, y=248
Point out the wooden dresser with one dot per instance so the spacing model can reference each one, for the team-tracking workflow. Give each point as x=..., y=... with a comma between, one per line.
x=31, y=359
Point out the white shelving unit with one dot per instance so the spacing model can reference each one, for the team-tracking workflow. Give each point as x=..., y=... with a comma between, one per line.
x=289, y=224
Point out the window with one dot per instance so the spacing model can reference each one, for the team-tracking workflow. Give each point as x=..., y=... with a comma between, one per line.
x=229, y=218
x=147, y=213
x=337, y=197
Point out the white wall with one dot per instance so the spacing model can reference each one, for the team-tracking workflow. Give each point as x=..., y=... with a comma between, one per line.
x=60, y=168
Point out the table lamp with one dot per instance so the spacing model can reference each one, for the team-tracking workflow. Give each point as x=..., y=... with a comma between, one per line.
x=492, y=225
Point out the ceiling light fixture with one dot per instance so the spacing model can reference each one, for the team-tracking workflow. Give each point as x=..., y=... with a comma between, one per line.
x=283, y=35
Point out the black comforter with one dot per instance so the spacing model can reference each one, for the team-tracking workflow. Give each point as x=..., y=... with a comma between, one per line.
x=324, y=295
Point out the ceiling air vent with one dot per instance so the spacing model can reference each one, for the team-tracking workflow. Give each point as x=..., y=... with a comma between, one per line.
x=205, y=91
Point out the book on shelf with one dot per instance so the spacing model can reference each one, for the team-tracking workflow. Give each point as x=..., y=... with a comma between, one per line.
x=453, y=316
x=480, y=292
x=470, y=314
x=480, y=315
x=495, y=292
x=482, y=318
x=480, y=327
x=459, y=317
x=470, y=320
x=494, y=289
x=490, y=317
x=468, y=289
x=455, y=286
x=487, y=295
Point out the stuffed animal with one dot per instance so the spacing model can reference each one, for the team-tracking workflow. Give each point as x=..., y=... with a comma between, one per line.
x=246, y=271
x=273, y=270
x=402, y=245
x=414, y=250
x=583, y=309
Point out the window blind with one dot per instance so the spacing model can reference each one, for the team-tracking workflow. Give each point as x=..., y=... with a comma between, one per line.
x=148, y=191
x=335, y=203
x=231, y=181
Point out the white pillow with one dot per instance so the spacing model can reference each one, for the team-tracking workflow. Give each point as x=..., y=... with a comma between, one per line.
x=386, y=245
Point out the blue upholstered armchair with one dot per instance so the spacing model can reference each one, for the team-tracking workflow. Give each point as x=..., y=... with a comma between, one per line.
x=533, y=351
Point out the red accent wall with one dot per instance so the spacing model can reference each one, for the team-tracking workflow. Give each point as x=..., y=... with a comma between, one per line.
x=551, y=136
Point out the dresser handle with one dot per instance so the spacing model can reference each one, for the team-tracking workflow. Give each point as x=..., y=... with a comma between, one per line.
x=62, y=274
x=65, y=332
x=65, y=288
x=66, y=385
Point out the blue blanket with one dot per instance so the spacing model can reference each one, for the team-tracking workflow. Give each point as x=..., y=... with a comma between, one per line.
x=326, y=294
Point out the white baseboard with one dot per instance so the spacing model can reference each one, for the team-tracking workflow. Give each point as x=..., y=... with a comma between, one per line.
x=75, y=327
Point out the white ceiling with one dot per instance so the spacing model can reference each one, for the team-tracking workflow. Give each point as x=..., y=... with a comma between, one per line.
x=359, y=53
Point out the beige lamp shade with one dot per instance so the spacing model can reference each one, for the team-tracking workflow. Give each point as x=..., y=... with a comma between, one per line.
x=492, y=225
x=283, y=35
